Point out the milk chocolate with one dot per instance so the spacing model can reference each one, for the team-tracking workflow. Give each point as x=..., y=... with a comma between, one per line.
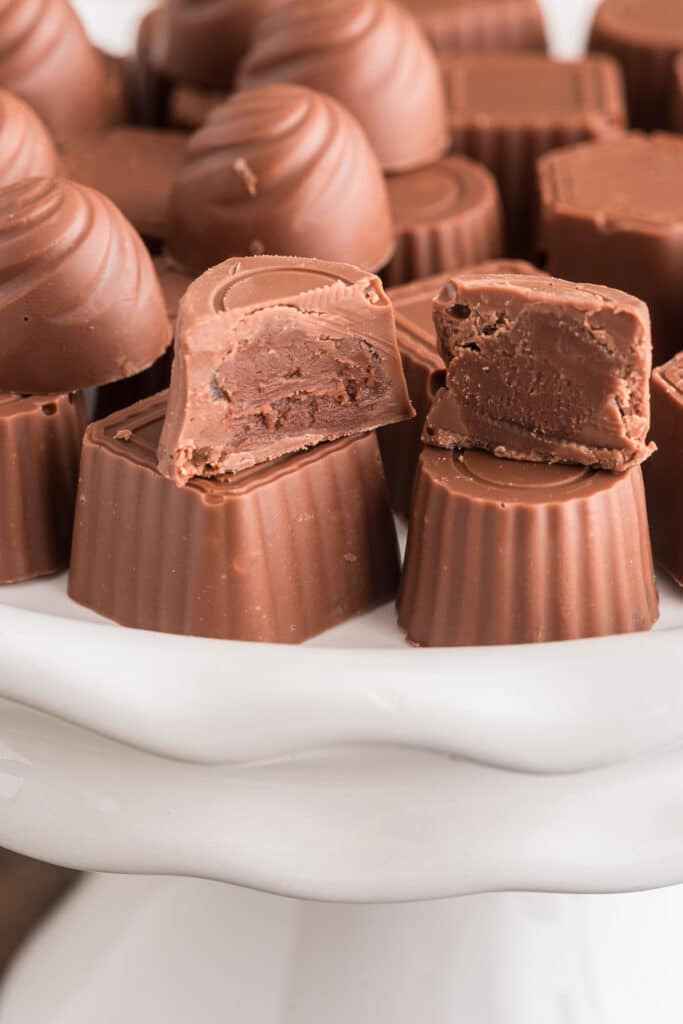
x=612, y=211
x=285, y=171
x=543, y=370
x=446, y=216
x=676, y=98
x=278, y=553
x=40, y=447
x=28, y=888
x=372, y=57
x=508, y=109
x=644, y=36
x=273, y=355
x=135, y=168
x=664, y=471
x=149, y=88
x=459, y=26
x=515, y=552
x=80, y=304
x=190, y=105
x=26, y=146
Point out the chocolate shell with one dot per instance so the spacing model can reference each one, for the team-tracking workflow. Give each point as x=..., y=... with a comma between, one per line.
x=372, y=57
x=446, y=216
x=26, y=146
x=664, y=471
x=80, y=304
x=285, y=171
x=459, y=26
x=47, y=60
x=40, y=449
x=278, y=553
x=513, y=552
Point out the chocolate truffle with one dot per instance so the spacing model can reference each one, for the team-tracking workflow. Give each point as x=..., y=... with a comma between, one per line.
x=285, y=171
x=80, y=304
x=372, y=57
x=456, y=26
x=515, y=552
x=27, y=891
x=135, y=168
x=40, y=449
x=612, y=212
x=446, y=216
x=543, y=370
x=644, y=36
x=508, y=109
x=275, y=354
x=278, y=553
x=47, y=60
x=664, y=471
x=26, y=146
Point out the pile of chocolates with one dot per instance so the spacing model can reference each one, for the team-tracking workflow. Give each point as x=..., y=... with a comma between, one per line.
x=203, y=233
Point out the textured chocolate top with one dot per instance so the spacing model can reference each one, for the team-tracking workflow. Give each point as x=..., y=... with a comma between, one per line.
x=651, y=22
x=462, y=25
x=280, y=170
x=372, y=57
x=449, y=188
x=26, y=146
x=80, y=304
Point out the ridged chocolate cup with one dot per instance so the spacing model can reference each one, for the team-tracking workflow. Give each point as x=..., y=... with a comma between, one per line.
x=510, y=552
x=664, y=476
x=460, y=26
x=40, y=449
x=278, y=553
x=26, y=146
x=446, y=216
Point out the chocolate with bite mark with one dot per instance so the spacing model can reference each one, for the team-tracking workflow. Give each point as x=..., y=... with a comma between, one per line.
x=543, y=370
x=276, y=354
x=664, y=471
x=458, y=26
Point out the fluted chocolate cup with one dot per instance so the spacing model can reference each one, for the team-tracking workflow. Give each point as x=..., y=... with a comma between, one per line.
x=278, y=553
x=40, y=449
x=459, y=26
x=504, y=552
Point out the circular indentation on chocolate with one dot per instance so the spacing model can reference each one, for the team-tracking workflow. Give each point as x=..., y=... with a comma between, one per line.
x=269, y=285
x=427, y=194
x=519, y=475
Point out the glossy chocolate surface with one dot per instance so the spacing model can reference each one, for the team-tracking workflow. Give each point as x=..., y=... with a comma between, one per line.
x=26, y=147
x=664, y=472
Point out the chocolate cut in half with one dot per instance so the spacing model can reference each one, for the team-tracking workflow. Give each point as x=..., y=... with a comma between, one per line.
x=277, y=553
x=664, y=471
x=459, y=26
x=543, y=370
x=516, y=552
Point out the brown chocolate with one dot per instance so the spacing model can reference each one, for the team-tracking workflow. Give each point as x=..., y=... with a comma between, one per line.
x=644, y=36
x=676, y=98
x=664, y=471
x=273, y=355
x=446, y=216
x=515, y=552
x=285, y=171
x=612, y=211
x=135, y=168
x=149, y=88
x=28, y=889
x=508, y=109
x=543, y=370
x=425, y=371
x=371, y=56
x=190, y=105
x=459, y=26
x=40, y=447
x=278, y=553
x=26, y=146
x=80, y=304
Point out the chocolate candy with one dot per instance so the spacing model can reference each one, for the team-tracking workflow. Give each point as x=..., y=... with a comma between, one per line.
x=275, y=354
x=664, y=471
x=543, y=370
x=149, y=88
x=446, y=216
x=612, y=212
x=676, y=100
x=26, y=146
x=424, y=370
x=280, y=170
x=80, y=304
x=40, y=447
x=189, y=105
x=645, y=36
x=278, y=553
x=371, y=56
x=135, y=168
x=456, y=26
x=27, y=891
x=508, y=109
x=506, y=552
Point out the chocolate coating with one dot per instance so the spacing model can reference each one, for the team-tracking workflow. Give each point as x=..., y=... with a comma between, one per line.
x=26, y=146
x=372, y=57
x=513, y=552
x=664, y=471
x=457, y=26
x=280, y=170
x=278, y=553
x=80, y=304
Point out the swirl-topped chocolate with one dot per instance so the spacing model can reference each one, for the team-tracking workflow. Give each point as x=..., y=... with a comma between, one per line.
x=372, y=57
x=26, y=147
x=285, y=171
x=47, y=59
x=80, y=304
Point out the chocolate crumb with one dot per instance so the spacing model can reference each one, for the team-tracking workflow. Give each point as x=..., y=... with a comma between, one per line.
x=123, y=435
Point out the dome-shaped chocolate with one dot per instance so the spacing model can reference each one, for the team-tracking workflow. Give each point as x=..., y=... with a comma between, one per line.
x=285, y=171
x=26, y=146
x=80, y=303
x=47, y=59
x=372, y=57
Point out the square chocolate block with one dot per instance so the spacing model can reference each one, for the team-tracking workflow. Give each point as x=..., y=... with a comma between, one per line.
x=664, y=471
